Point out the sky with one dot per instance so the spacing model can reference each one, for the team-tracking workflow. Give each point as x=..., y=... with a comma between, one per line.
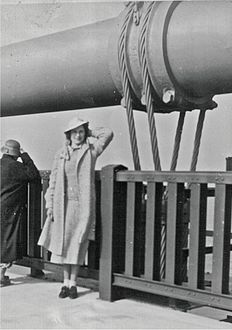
x=42, y=134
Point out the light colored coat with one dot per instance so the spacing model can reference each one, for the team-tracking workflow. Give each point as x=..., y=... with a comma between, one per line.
x=53, y=231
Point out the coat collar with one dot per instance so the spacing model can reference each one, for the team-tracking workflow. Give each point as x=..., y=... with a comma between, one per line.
x=5, y=156
x=82, y=151
x=67, y=151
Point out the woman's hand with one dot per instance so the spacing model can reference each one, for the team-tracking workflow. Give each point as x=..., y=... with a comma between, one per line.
x=89, y=132
x=50, y=214
x=21, y=151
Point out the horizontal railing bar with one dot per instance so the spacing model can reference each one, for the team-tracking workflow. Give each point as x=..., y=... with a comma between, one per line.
x=42, y=264
x=209, y=233
x=173, y=291
x=208, y=250
x=180, y=177
x=166, y=176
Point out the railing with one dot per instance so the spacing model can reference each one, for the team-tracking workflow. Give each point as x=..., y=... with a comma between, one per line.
x=152, y=235
x=135, y=205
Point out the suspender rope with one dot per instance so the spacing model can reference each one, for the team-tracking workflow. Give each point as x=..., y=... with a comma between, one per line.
x=127, y=88
x=147, y=91
x=193, y=168
x=176, y=148
x=152, y=126
x=197, y=140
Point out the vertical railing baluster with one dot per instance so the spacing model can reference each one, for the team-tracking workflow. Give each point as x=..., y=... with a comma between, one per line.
x=218, y=238
x=173, y=265
x=221, y=239
x=139, y=229
x=153, y=231
x=34, y=218
x=130, y=229
x=198, y=206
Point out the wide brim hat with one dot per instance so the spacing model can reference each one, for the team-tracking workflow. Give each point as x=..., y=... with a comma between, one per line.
x=11, y=147
x=74, y=123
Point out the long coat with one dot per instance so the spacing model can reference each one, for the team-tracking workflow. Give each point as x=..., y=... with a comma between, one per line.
x=53, y=231
x=14, y=179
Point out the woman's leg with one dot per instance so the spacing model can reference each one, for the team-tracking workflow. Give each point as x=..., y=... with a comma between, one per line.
x=3, y=271
x=73, y=275
x=5, y=279
x=65, y=288
x=73, y=281
x=67, y=271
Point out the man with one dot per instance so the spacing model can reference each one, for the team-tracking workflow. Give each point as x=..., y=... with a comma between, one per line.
x=15, y=176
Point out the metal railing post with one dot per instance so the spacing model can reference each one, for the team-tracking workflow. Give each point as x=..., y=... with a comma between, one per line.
x=110, y=258
x=229, y=164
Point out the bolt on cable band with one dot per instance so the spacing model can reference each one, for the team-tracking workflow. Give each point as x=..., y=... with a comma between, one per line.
x=147, y=90
x=127, y=88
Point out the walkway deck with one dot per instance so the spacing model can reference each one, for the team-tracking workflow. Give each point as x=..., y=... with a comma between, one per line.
x=31, y=303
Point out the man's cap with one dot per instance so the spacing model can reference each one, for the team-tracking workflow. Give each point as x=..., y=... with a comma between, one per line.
x=11, y=147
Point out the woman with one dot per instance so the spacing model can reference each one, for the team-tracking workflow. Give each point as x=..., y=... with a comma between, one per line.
x=70, y=200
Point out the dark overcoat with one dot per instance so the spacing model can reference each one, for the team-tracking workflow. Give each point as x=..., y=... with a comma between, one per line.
x=14, y=179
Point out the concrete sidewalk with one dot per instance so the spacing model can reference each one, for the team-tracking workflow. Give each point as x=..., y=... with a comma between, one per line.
x=31, y=303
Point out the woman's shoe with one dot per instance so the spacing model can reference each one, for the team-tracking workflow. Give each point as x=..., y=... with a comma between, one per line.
x=73, y=292
x=64, y=293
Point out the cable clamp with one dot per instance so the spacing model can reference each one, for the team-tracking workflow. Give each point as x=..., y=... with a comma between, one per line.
x=136, y=14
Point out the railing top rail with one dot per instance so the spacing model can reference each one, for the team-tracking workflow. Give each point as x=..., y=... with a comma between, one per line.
x=175, y=176
x=165, y=176
x=46, y=173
